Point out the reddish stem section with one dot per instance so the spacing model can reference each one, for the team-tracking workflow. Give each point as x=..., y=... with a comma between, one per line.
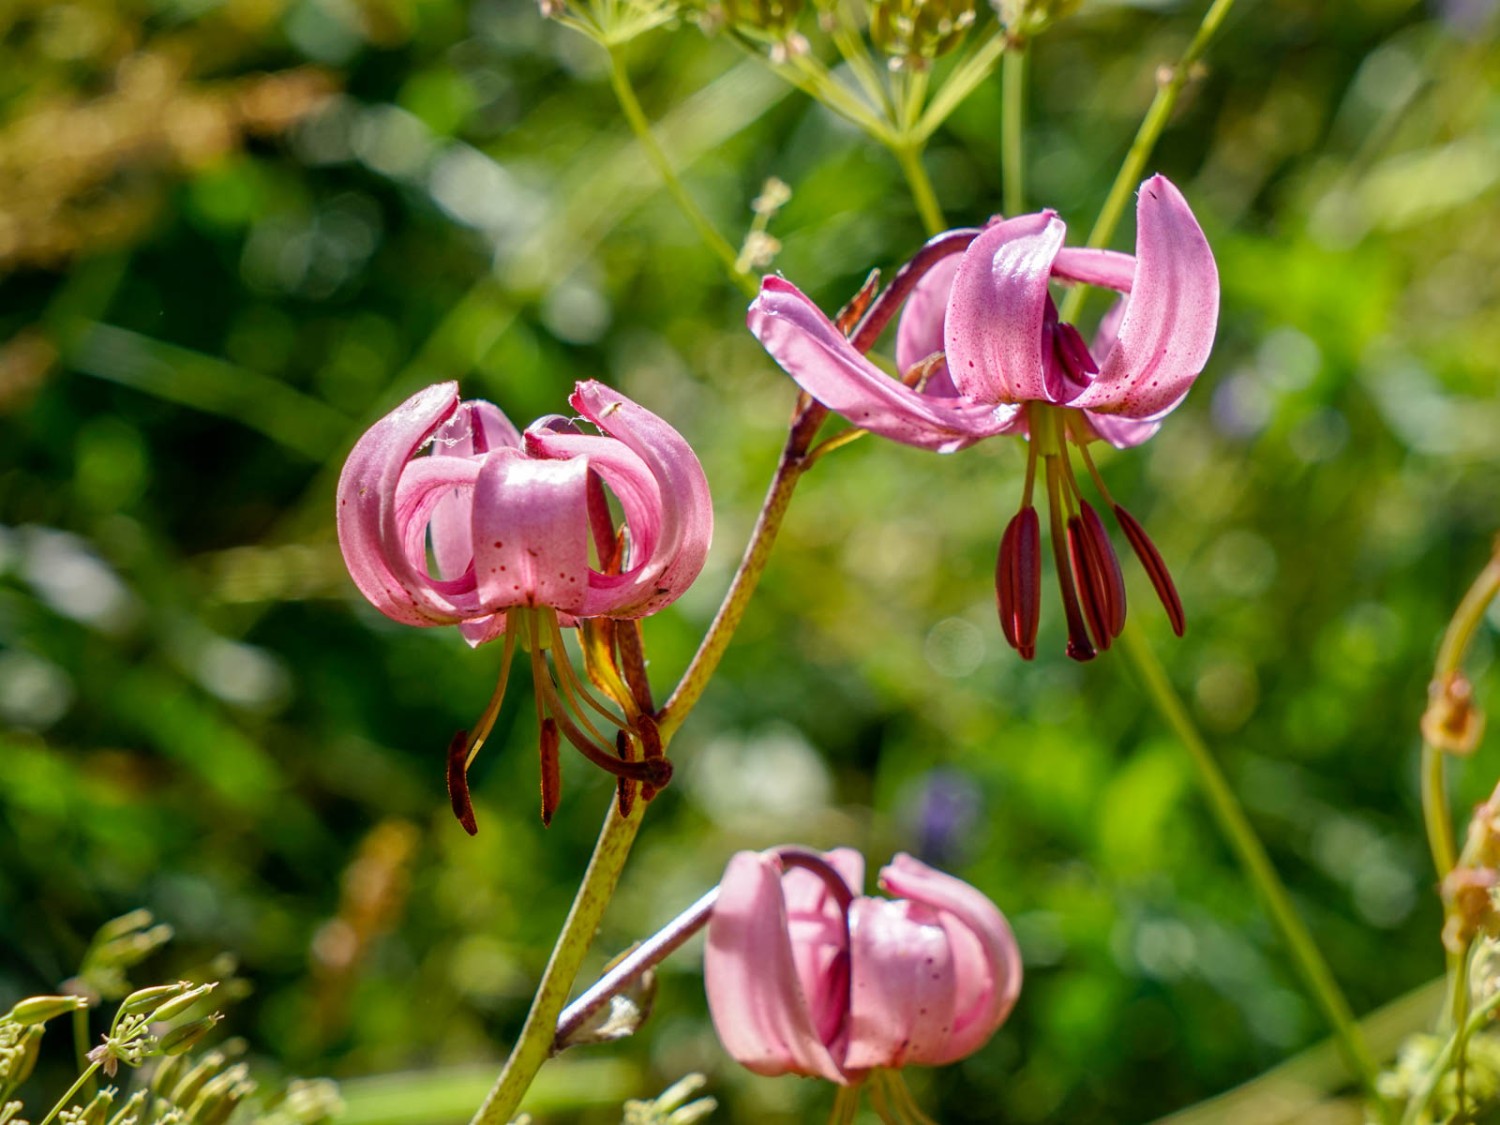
x=1156, y=569
x=458, y=782
x=1018, y=581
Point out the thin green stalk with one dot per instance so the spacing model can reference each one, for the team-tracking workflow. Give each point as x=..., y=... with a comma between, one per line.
x=794, y=462
x=1146, y=137
x=636, y=116
x=1012, y=128
x=62, y=1102
x=909, y=155
x=534, y=1046
x=975, y=67
x=1236, y=829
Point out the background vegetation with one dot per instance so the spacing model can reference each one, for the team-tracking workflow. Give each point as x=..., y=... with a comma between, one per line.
x=234, y=232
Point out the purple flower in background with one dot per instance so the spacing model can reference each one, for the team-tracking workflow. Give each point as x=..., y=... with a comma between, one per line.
x=982, y=352
x=523, y=541
x=806, y=976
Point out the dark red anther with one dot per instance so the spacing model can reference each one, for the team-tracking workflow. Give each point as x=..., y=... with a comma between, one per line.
x=551, y=770
x=1101, y=586
x=1109, y=562
x=1091, y=582
x=1156, y=569
x=1018, y=581
x=651, y=747
x=624, y=787
x=458, y=782
x=1080, y=648
x=632, y=651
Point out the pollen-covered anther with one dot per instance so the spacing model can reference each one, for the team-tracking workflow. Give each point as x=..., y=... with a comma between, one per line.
x=1018, y=581
x=551, y=770
x=1156, y=569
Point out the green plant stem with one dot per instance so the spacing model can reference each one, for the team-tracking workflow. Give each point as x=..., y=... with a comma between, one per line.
x=908, y=154
x=1146, y=137
x=81, y=1040
x=62, y=1102
x=534, y=1046
x=976, y=66
x=794, y=462
x=1236, y=829
x=625, y=93
x=1012, y=128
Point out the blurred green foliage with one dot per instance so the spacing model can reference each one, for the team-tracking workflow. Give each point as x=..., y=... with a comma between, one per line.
x=234, y=232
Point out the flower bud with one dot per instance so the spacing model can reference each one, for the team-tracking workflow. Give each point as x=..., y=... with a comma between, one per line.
x=181, y=1040
x=914, y=32
x=176, y=1007
x=145, y=1001
x=40, y=1009
x=18, y=1061
x=97, y=1111
x=1029, y=17
x=130, y=1112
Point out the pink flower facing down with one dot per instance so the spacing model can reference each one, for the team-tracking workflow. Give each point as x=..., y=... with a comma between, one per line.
x=982, y=352
x=510, y=519
x=806, y=976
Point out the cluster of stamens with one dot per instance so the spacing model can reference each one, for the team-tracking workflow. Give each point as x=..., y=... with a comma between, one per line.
x=1088, y=570
x=614, y=663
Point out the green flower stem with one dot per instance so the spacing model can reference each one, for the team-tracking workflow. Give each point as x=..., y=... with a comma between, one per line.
x=1146, y=137
x=908, y=154
x=794, y=462
x=1012, y=129
x=62, y=1103
x=1236, y=829
x=1437, y=814
x=976, y=66
x=534, y=1046
x=1450, y=658
x=620, y=78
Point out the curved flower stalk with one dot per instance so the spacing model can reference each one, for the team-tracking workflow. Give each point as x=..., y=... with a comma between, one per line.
x=523, y=544
x=982, y=353
x=807, y=976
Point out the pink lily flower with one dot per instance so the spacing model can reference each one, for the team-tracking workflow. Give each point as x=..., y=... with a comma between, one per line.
x=807, y=976
x=510, y=518
x=982, y=352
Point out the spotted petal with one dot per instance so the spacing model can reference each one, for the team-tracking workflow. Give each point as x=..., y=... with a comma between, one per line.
x=1170, y=317
x=993, y=332
x=755, y=995
x=986, y=962
x=371, y=536
x=662, y=490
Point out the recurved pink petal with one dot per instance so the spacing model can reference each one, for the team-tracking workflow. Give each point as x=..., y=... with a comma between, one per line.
x=1108, y=269
x=371, y=537
x=661, y=486
x=1171, y=316
x=820, y=941
x=477, y=427
x=755, y=996
x=902, y=985
x=993, y=332
x=530, y=533
x=824, y=364
x=986, y=959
